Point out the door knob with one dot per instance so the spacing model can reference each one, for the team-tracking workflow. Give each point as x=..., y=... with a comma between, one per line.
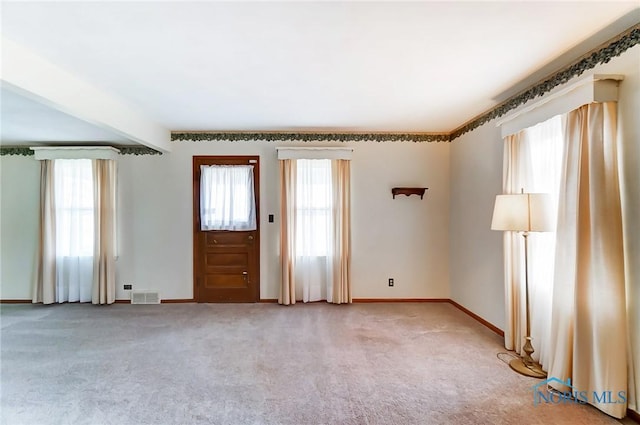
x=250, y=237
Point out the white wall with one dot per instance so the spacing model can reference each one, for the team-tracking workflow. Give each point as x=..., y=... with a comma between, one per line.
x=476, y=261
x=19, y=203
x=406, y=238
x=475, y=255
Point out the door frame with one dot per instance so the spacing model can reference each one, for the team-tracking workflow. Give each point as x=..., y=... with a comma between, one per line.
x=222, y=159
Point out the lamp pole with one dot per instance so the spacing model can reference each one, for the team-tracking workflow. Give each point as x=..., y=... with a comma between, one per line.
x=526, y=365
x=528, y=347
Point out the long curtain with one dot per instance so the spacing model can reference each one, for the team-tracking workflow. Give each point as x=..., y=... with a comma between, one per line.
x=288, y=179
x=340, y=292
x=104, y=180
x=589, y=336
x=44, y=289
x=532, y=162
x=315, y=235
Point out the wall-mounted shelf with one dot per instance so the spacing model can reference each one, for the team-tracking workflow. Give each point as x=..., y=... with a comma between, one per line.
x=408, y=191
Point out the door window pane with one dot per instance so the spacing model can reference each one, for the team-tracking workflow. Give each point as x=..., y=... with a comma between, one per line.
x=227, y=200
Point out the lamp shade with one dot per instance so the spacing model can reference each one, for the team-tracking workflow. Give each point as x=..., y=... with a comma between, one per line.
x=523, y=212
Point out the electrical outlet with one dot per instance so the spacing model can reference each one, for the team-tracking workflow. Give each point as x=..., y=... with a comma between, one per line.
x=390, y=281
x=128, y=287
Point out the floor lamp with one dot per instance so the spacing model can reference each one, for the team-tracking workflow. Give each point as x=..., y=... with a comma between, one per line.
x=524, y=212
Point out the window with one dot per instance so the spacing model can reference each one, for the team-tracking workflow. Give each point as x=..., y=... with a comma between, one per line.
x=77, y=252
x=227, y=200
x=315, y=232
x=542, y=150
x=73, y=188
x=74, y=204
x=544, y=143
x=313, y=207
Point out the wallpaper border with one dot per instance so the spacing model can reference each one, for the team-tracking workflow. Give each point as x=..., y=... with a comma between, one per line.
x=15, y=150
x=242, y=136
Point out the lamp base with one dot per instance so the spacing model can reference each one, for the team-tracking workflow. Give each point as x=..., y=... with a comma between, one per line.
x=534, y=370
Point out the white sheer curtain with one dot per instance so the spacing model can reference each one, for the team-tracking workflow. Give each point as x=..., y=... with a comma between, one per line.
x=227, y=200
x=545, y=145
x=74, y=229
x=532, y=161
x=313, y=231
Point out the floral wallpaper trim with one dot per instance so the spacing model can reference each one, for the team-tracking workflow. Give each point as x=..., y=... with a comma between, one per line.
x=14, y=150
x=213, y=136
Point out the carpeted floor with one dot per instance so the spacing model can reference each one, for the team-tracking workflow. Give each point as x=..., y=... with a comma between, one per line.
x=262, y=364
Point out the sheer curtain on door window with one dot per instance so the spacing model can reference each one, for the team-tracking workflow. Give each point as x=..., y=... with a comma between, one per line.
x=74, y=229
x=227, y=200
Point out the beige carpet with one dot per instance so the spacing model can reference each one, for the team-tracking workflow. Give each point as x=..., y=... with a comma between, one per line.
x=262, y=364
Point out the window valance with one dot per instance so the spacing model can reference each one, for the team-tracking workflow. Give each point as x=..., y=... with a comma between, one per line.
x=315, y=153
x=75, y=152
x=592, y=88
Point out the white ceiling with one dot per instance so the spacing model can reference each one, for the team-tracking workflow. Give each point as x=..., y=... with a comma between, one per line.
x=26, y=120
x=340, y=66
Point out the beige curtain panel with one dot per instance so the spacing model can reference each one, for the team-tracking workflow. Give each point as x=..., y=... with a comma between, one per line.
x=104, y=269
x=44, y=290
x=589, y=336
x=288, y=179
x=341, y=291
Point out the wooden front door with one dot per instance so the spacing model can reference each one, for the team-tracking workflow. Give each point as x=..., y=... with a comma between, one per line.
x=226, y=263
